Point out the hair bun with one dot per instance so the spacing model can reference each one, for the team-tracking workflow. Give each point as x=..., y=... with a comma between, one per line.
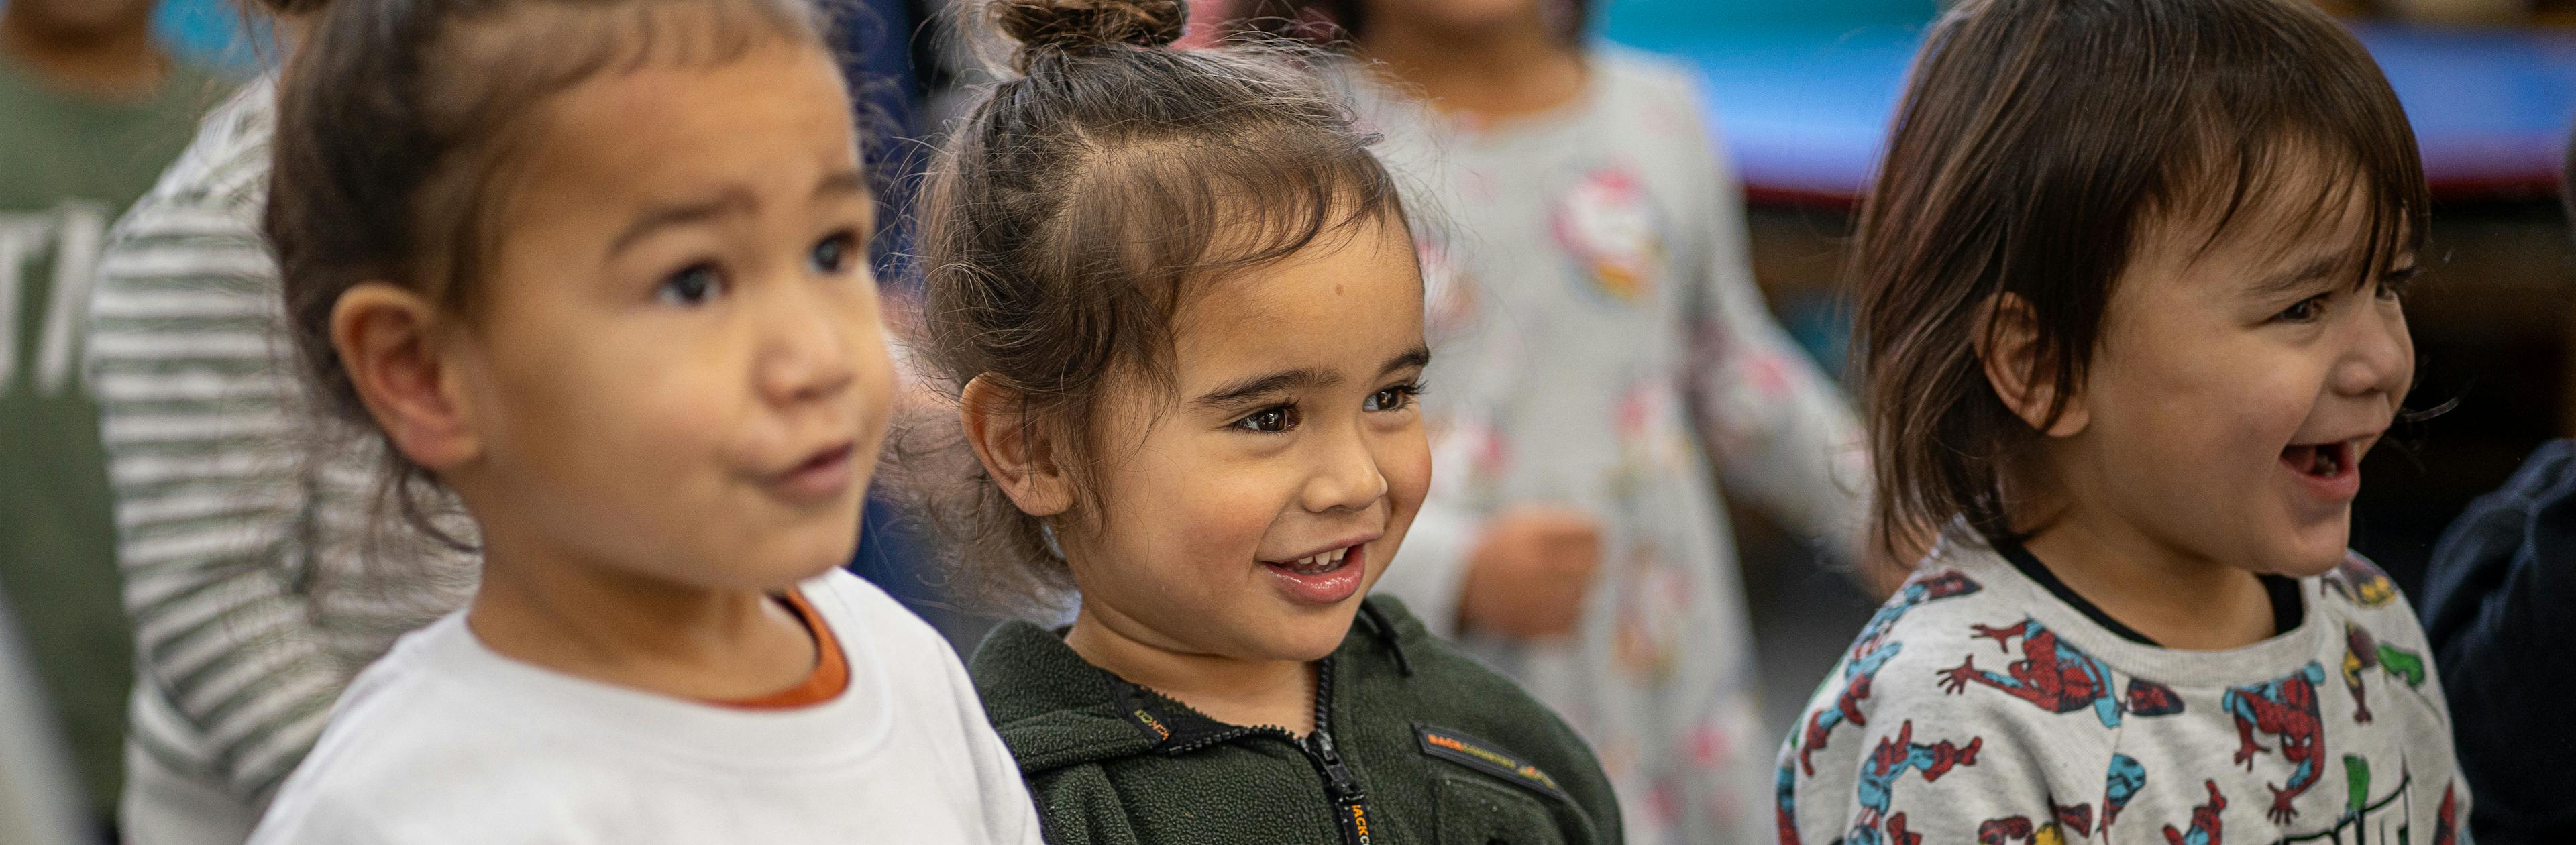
x=1077, y=24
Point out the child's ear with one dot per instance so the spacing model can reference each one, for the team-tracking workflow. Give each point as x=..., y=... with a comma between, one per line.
x=1020, y=457
x=382, y=334
x=2008, y=345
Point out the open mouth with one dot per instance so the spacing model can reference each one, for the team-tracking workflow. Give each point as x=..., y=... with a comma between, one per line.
x=1322, y=579
x=2320, y=460
x=1317, y=564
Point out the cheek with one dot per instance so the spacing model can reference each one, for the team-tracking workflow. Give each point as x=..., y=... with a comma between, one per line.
x=1223, y=520
x=1407, y=466
x=2179, y=425
x=1189, y=519
x=626, y=415
x=686, y=406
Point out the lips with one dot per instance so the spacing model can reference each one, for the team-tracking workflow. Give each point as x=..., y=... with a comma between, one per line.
x=824, y=474
x=1322, y=578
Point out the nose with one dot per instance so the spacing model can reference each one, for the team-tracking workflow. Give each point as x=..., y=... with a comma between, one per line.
x=2379, y=359
x=805, y=350
x=1346, y=476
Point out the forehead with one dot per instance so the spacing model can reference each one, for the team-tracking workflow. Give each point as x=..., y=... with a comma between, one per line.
x=2301, y=210
x=777, y=111
x=1351, y=299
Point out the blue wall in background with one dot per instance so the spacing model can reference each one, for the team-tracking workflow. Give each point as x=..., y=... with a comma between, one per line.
x=1658, y=20
x=207, y=30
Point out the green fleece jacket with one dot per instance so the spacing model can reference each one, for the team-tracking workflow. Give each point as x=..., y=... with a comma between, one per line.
x=1414, y=742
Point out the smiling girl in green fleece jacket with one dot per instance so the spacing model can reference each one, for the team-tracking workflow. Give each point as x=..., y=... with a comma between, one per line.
x=1175, y=299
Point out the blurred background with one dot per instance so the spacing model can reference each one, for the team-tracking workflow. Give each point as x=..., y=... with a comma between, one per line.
x=1802, y=92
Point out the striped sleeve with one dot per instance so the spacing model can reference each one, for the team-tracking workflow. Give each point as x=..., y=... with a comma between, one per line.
x=196, y=414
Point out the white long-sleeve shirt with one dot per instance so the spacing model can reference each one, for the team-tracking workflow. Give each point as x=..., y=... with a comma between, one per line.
x=446, y=741
x=1601, y=345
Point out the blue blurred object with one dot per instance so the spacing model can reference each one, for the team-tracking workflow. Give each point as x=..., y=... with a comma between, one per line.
x=211, y=33
x=1619, y=17
x=1805, y=105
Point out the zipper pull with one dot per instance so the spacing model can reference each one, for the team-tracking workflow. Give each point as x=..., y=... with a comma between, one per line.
x=1338, y=780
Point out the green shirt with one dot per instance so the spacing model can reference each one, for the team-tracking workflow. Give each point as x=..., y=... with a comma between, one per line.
x=1415, y=742
x=72, y=166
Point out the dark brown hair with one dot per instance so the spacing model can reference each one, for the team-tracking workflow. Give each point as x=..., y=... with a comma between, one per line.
x=1340, y=22
x=2036, y=141
x=1071, y=216
x=396, y=130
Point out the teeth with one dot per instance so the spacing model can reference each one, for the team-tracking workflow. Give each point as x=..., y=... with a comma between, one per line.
x=1316, y=564
x=2323, y=460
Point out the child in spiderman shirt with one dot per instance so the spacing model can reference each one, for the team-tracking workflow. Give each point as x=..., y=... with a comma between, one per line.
x=2130, y=317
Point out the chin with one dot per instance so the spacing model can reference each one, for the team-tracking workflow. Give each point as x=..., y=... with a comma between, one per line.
x=2313, y=550
x=787, y=561
x=1307, y=640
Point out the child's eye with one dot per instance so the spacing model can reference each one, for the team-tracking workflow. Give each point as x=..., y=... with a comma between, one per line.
x=694, y=285
x=2307, y=310
x=1395, y=398
x=831, y=256
x=1276, y=418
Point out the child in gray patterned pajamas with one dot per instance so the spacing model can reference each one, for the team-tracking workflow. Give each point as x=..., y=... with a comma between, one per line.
x=2130, y=317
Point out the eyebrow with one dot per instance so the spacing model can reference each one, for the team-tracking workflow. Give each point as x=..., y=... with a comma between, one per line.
x=2296, y=279
x=1419, y=356
x=731, y=201
x=844, y=182
x=1286, y=381
x=1283, y=381
x=657, y=218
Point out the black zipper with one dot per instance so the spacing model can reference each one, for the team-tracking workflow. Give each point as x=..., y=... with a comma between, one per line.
x=1350, y=801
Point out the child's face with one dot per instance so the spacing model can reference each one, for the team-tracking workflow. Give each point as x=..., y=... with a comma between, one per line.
x=1291, y=439
x=2235, y=390
x=677, y=368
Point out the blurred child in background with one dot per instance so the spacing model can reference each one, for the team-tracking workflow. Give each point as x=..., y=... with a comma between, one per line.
x=2497, y=591
x=1606, y=363
x=1176, y=300
x=91, y=109
x=598, y=270
x=2130, y=318
x=243, y=538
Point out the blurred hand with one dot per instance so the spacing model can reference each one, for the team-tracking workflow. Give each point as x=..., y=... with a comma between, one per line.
x=1528, y=573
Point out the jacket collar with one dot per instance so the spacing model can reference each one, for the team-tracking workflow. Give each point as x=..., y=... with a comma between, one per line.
x=1053, y=709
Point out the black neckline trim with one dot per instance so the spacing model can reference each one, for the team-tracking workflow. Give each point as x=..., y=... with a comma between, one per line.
x=2288, y=610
